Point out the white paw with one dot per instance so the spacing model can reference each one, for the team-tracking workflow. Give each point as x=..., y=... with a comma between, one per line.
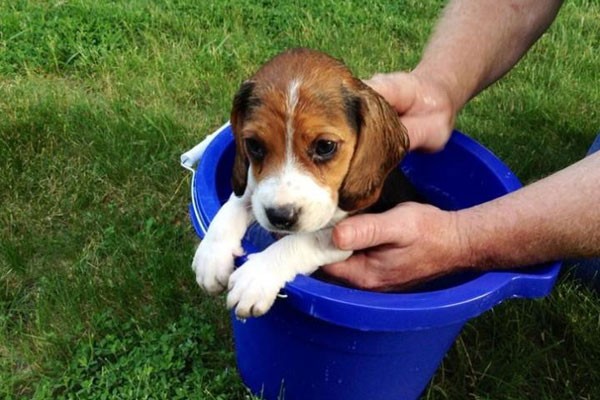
x=213, y=263
x=253, y=287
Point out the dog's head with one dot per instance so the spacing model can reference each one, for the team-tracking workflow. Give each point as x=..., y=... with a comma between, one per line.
x=311, y=139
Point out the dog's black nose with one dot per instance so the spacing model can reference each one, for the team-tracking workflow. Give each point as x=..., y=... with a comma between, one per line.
x=284, y=217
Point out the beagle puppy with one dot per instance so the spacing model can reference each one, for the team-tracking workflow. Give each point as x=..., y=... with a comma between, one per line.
x=314, y=144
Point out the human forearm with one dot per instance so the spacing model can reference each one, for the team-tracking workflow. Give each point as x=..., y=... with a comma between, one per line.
x=554, y=218
x=477, y=41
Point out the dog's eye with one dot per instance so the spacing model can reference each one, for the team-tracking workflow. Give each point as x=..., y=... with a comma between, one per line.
x=255, y=149
x=324, y=150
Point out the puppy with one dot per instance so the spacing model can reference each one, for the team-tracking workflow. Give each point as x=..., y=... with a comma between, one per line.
x=314, y=144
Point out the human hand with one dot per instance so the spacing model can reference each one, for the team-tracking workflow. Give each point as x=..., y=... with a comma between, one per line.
x=424, y=105
x=406, y=245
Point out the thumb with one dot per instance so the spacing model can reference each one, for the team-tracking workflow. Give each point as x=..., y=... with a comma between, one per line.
x=398, y=88
x=362, y=231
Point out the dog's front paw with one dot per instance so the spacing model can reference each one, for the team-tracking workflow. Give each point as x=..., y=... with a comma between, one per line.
x=253, y=288
x=213, y=264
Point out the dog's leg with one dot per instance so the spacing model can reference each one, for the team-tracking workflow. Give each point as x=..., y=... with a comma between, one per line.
x=213, y=261
x=255, y=285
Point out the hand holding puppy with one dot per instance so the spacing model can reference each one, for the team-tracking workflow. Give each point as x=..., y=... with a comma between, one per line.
x=424, y=106
x=423, y=242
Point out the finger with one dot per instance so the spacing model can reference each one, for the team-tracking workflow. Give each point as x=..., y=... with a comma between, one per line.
x=363, y=231
x=426, y=134
x=354, y=271
x=398, y=88
x=416, y=135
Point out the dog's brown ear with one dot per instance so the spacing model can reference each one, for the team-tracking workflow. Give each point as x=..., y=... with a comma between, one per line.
x=381, y=144
x=243, y=102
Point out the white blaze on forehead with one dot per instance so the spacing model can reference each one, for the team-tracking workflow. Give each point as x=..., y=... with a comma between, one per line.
x=292, y=102
x=292, y=99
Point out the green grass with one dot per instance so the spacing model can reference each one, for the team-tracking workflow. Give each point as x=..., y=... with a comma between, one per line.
x=97, y=101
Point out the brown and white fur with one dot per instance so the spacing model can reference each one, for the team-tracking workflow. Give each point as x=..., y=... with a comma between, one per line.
x=314, y=144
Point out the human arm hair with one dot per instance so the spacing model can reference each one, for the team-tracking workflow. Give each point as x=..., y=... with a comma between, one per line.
x=476, y=42
x=554, y=218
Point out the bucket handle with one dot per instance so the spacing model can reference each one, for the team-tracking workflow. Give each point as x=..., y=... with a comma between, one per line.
x=189, y=160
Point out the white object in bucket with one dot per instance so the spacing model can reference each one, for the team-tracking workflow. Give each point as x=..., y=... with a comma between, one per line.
x=192, y=156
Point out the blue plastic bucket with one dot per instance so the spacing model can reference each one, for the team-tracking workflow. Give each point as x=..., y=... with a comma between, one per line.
x=323, y=341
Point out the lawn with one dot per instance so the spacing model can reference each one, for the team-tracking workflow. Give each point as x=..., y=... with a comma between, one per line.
x=97, y=101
